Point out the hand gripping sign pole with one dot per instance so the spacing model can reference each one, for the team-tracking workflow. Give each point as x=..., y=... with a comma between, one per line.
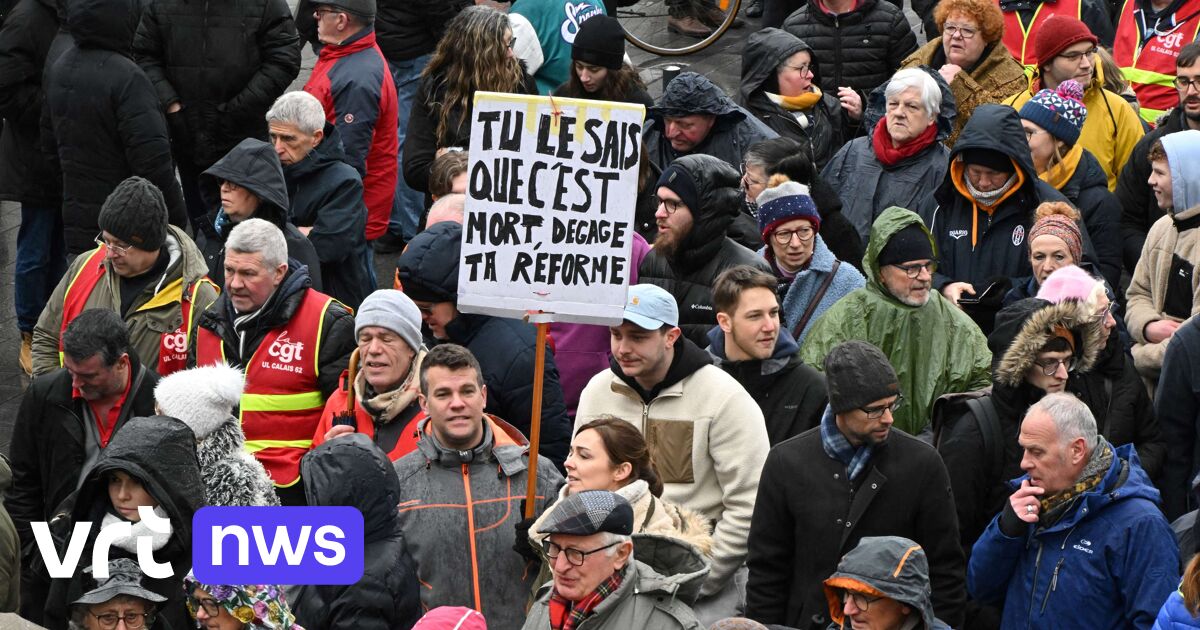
x=548, y=222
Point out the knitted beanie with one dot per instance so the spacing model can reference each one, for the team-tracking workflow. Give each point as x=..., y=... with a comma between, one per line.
x=203, y=398
x=136, y=214
x=787, y=201
x=600, y=42
x=1056, y=218
x=857, y=374
x=678, y=180
x=393, y=310
x=1055, y=35
x=910, y=243
x=1060, y=112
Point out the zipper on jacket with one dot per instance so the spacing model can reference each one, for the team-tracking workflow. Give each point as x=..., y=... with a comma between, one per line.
x=1053, y=583
x=1037, y=563
x=466, y=473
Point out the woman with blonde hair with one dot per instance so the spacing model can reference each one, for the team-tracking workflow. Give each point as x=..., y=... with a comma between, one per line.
x=475, y=54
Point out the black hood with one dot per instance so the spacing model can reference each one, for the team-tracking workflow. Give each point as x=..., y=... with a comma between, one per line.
x=765, y=50
x=103, y=24
x=253, y=165
x=687, y=360
x=717, y=185
x=997, y=128
x=329, y=151
x=428, y=268
x=691, y=93
x=161, y=453
x=876, y=106
x=352, y=471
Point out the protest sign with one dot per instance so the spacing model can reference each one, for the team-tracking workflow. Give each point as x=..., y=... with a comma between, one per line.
x=548, y=223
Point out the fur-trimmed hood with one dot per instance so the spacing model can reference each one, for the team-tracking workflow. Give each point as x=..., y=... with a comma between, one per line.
x=1028, y=324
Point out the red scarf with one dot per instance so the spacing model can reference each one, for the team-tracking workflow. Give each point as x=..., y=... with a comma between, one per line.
x=567, y=615
x=890, y=155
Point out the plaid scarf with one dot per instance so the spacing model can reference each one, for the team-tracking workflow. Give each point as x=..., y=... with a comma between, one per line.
x=838, y=447
x=567, y=615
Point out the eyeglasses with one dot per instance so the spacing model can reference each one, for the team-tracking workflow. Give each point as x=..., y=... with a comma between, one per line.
x=574, y=556
x=1111, y=309
x=1074, y=56
x=876, y=413
x=802, y=68
x=1050, y=366
x=965, y=32
x=210, y=606
x=672, y=205
x=913, y=270
x=861, y=601
x=322, y=12
x=115, y=250
x=1030, y=133
x=1183, y=83
x=109, y=620
x=783, y=237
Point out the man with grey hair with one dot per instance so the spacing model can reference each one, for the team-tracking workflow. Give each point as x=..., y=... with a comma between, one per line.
x=292, y=341
x=328, y=208
x=597, y=576
x=1082, y=538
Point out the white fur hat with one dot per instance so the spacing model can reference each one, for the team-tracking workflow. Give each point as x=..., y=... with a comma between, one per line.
x=203, y=398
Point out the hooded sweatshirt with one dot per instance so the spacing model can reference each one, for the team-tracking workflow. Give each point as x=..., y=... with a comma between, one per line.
x=891, y=566
x=935, y=348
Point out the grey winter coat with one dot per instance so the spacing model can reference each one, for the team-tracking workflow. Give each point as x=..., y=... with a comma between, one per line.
x=867, y=187
x=659, y=587
x=232, y=477
x=691, y=93
x=466, y=558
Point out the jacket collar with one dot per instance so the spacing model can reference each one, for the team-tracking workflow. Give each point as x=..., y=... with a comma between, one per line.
x=357, y=42
x=501, y=442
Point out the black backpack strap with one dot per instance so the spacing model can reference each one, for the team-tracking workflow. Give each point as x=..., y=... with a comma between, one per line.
x=984, y=412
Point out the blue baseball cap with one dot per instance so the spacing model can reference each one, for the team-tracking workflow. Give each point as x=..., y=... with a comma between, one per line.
x=650, y=306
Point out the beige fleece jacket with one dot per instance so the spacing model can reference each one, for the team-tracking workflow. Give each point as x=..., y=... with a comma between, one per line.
x=1148, y=288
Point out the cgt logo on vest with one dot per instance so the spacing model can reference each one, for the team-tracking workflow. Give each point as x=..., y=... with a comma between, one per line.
x=287, y=352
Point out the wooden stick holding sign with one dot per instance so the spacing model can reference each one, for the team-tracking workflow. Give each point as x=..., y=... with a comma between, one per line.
x=548, y=223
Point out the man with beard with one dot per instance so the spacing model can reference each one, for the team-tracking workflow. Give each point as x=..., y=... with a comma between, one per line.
x=823, y=491
x=705, y=433
x=934, y=347
x=698, y=199
x=751, y=345
x=1139, y=208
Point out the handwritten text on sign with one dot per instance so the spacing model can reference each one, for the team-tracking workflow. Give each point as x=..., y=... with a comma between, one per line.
x=551, y=188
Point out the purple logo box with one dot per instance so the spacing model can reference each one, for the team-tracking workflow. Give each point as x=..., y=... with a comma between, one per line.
x=277, y=545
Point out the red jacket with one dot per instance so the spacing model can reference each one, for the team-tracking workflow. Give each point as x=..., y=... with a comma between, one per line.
x=365, y=423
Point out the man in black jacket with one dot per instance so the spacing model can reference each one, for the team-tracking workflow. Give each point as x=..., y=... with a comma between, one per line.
x=749, y=343
x=67, y=418
x=217, y=67
x=505, y=348
x=1139, y=209
x=852, y=477
x=698, y=200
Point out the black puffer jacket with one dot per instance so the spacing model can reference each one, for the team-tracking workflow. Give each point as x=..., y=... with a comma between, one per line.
x=253, y=165
x=1139, y=210
x=160, y=452
x=225, y=62
x=327, y=195
x=1088, y=191
x=690, y=93
x=48, y=452
x=337, y=331
x=706, y=251
x=972, y=245
x=25, y=174
x=823, y=129
x=117, y=131
x=860, y=49
x=352, y=471
x=505, y=348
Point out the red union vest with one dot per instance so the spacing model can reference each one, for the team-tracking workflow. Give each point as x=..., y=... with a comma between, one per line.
x=173, y=345
x=1148, y=59
x=1016, y=36
x=282, y=402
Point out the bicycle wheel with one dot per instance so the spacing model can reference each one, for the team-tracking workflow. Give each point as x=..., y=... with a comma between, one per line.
x=646, y=26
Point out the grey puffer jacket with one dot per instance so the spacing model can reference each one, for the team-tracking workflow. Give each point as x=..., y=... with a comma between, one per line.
x=867, y=187
x=823, y=128
x=691, y=93
x=466, y=558
x=657, y=592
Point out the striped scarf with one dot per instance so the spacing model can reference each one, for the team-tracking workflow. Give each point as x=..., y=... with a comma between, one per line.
x=838, y=447
x=567, y=615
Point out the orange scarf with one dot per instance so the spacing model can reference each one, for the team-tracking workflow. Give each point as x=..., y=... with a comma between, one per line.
x=803, y=102
x=1061, y=173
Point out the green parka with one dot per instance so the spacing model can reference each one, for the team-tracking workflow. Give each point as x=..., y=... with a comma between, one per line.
x=935, y=349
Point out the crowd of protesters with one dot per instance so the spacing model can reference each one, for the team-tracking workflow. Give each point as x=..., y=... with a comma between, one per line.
x=898, y=350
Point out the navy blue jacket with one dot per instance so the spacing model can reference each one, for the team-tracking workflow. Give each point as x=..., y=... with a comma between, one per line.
x=1109, y=562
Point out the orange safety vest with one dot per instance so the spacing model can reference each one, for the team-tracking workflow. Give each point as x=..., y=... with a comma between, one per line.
x=173, y=345
x=1148, y=59
x=282, y=402
x=1016, y=36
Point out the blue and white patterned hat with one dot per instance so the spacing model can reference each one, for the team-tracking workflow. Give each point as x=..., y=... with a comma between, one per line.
x=1060, y=112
